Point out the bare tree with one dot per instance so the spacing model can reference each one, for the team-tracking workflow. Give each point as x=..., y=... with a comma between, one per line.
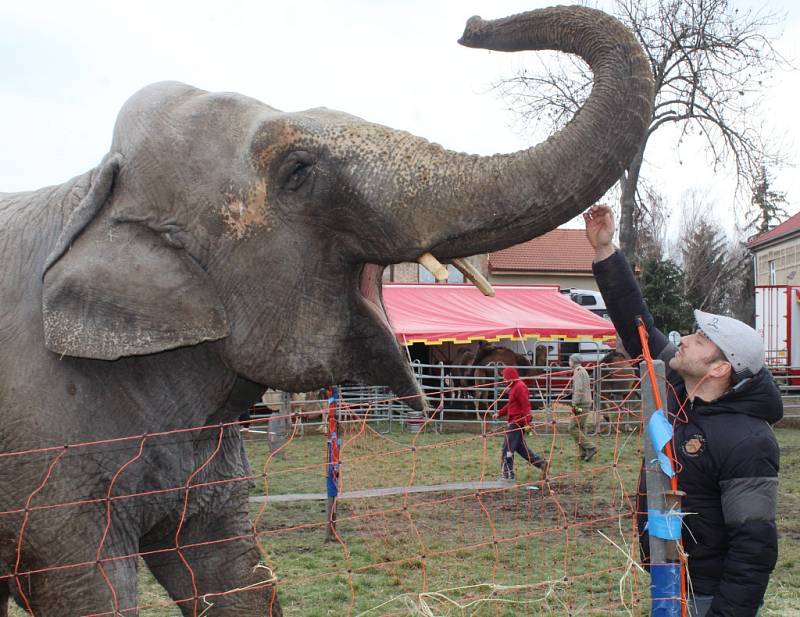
x=650, y=225
x=710, y=62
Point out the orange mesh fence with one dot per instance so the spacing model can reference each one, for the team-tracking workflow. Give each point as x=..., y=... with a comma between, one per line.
x=424, y=526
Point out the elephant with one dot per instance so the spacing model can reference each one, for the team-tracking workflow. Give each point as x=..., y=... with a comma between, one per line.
x=221, y=247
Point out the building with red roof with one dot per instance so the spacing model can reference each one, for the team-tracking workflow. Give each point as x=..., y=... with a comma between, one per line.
x=560, y=257
x=777, y=254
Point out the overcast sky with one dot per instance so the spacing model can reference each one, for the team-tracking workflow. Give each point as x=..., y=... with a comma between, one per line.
x=67, y=67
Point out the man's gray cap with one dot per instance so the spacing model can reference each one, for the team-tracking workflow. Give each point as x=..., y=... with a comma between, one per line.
x=576, y=358
x=741, y=345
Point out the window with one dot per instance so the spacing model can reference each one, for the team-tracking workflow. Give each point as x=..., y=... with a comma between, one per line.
x=425, y=276
x=772, y=276
x=453, y=275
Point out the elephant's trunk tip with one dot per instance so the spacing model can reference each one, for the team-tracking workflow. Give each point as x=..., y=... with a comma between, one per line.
x=472, y=31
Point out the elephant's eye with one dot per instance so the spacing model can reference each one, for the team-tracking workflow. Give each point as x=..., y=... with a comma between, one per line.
x=297, y=176
x=295, y=170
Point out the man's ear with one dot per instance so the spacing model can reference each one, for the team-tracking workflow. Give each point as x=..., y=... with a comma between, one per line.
x=112, y=290
x=720, y=368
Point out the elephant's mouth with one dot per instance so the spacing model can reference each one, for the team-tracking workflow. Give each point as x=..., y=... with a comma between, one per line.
x=380, y=357
x=372, y=276
x=369, y=285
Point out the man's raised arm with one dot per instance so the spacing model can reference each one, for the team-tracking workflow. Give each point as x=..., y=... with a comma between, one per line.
x=618, y=285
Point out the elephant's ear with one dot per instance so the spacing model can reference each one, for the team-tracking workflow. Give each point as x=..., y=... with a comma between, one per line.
x=112, y=290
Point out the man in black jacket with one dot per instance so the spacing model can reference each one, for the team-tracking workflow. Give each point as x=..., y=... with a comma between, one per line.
x=722, y=402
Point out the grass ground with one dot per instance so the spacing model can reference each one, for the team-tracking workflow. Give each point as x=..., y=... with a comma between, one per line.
x=502, y=552
x=551, y=539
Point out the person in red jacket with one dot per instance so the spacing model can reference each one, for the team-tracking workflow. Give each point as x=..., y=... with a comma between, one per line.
x=518, y=410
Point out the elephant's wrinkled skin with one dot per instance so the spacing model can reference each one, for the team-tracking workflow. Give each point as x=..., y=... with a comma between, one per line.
x=220, y=247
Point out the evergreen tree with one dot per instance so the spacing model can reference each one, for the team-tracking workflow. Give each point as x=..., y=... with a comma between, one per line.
x=662, y=283
x=766, y=205
x=718, y=270
x=708, y=266
x=741, y=301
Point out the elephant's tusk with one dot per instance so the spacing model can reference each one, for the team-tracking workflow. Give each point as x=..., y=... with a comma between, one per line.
x=476, y=278
x=434, y=266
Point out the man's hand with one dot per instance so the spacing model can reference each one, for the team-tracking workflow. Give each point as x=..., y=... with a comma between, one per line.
x=600, y=231
x=495, y=416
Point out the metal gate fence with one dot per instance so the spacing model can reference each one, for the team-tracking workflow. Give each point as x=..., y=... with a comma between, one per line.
x=456, y=396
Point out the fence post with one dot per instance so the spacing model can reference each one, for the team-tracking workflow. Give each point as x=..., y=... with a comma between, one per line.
x=443, y=394
x=663, y=503
x=495, y=388
x=278, y=424
x=550, y=401
x=597, y=395
x=332, y=468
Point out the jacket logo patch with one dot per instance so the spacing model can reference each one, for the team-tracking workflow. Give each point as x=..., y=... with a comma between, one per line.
x=694, y=446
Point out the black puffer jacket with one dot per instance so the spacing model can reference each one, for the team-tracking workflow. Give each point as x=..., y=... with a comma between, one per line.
x=728, y=463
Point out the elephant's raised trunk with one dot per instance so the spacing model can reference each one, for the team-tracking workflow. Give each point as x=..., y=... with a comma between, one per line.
x=478, y=204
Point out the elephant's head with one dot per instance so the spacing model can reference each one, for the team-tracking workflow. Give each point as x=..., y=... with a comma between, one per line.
x=217, y=217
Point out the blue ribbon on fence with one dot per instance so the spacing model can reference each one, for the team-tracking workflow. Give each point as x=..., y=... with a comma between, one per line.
x=660, y=431
x=664, y=525
x=332, y=471
x=332, y=479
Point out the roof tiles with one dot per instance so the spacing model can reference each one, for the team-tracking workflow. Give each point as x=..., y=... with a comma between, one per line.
x=784, y=229
x=560, y=250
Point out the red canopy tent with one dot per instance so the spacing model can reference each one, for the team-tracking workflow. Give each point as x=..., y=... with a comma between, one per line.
x=459, y=313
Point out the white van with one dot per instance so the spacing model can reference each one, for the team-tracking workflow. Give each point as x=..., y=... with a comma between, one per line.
x=591, y=300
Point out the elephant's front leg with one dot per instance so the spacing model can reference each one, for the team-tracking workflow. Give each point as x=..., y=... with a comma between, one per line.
x=71, y=582
x=210, y=575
